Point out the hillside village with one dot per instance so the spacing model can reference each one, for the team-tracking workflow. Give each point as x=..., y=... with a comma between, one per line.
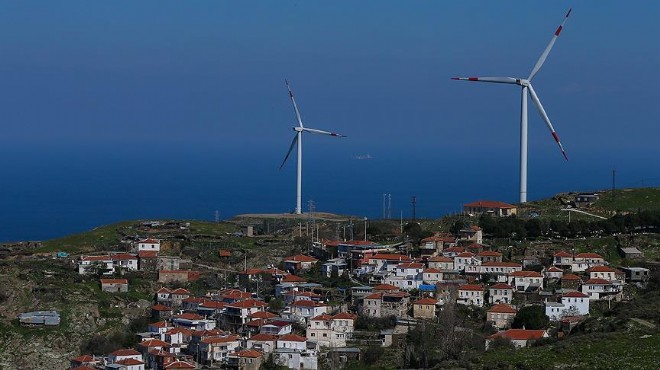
x=345, y=302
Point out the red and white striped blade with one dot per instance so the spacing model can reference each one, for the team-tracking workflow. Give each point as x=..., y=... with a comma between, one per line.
x=499, y=80
x=544, y=115
x=295, y=106
x=315, y=131
x=544, y=55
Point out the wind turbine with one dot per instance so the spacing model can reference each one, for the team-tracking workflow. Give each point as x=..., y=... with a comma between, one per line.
x=526, y=84
x=297, y=139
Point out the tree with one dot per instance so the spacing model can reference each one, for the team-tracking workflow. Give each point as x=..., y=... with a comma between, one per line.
x=530, y=317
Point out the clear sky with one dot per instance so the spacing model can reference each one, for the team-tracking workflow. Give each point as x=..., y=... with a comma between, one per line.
x=131, y=81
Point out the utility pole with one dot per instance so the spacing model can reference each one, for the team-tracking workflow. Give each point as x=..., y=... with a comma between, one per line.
x=613, y=181
x=365, y=229
x=217, y=216
x=414, y=208
x=401, y=225
x=384, y=197
x=389, y=206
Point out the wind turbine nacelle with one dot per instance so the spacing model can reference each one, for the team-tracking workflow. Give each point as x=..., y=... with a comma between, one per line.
x=297, y=129
x=522, y=82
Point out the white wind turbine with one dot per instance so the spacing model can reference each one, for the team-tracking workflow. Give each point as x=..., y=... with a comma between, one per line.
x=526, y=84
x=298, y=139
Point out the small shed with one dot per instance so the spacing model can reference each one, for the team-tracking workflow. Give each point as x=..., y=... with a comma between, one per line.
x=630, y=253
x=39, y=318
x=114, y=285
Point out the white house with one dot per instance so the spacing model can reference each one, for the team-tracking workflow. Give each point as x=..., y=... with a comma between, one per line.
x=500, y=293
x=526, y=281
x=217, y=348
x=304, y=310
x=578, y=300
x=125, y=354
x=601, y=289
x=149, y=244
x=519, y=337
x=465, y=259
x=553, y=273
x=441, y=263
x=330, y=331
x=471, y=294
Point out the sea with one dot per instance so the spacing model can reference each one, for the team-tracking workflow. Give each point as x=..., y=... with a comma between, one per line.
x=53, y=188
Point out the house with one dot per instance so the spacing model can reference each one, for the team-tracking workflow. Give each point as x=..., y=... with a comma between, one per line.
x=159, y=327
x=519, y=337
x=553, y=273
x=431, y=276
x=245, y=359
x=147, y=260
x=153, y=344
x=500, y=293
x=501, y=316
x=471, y=294
x=434, y=244
x=299, y=262
x=602, y=272
x=277, y=327
x=265, y=343
x=386, y=304
x=330, y=331
x=497, y=271
x=238, y=313
x=86, y=360
x=637, y=275
x=89, y=263
x=180, y=365
x=178, y=295
x=489, y=256
x=173, y=263
x=295, y=358
x=526, y=281
x=292, y=341
x=630, y=253
x=336, y=266
x=124, y=354
x=149, y=244
x=572, y=304
x=489, y=207
x=562, y=259
x=583, y=261
x=124, y=261
x=425, y=308
x=114, y=285
x=129, y=364
x=193, y=321
x=441, y=263
x=598, y=289
x=303, y=310
x=465, y=259
x=177, y=276
x=452, y=252
x=570, y=281
x=585, y=200
x=472, y=233
x=216, y=349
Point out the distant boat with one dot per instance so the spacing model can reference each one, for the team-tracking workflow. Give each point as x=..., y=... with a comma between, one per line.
x=363, y=156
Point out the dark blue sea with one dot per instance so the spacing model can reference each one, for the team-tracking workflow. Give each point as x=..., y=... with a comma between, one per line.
x=51, y=188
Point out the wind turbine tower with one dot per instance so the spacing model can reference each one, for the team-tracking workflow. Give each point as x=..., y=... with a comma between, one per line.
x=297, y=139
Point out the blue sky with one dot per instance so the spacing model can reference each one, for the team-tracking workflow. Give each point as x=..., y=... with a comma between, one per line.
x=125, y=81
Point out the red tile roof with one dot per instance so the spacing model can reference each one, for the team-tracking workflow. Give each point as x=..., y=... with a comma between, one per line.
x=597, y=282
x=159, y=324
x=126, y=352
x=410, y=265
x=374, y=296
x=252, y=272
x=489, y=204
x=306, y=303
x=224, y=253
x=248, y=303
x=293, y=279
x=263, y=337
x=292, y=338
x=563, y=254
x=213, y=304
x=181, y=291
x=520, y=334
x=454, y=249
x=84, y=358
x=426, y=301
x=489, y=254
x=575, y=295
x=501, y=264
x=385, y=287
x=189, y=316
x=570, y=277
x=129, y=362
x=432, y=271
x=248, y=353
x=465, y=255
x=160, y=307
x=554, y=269
x=164, y=291
x=153, y=343
x=150, y=241
x=262, y=315
x=345, y=316
x=323, y=317
x=525, y=274
x=502, y=308
x=123, y=257
x=147, y=254
x=180, y=365
x=600, y=269
x=471, y=287
x=300, y=258
x=216, y=340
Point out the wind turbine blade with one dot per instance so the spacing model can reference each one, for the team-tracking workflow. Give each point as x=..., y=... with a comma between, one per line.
x=545, y=53
x=295, y=106
x=315, y=131
x=500, y=80
x=544, y=115
x=293, y=144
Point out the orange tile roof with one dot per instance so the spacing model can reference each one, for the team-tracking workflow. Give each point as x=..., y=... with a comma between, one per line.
x=153, y=343
x=526, y=274
x=344, y=316
x=440, y=259
x=502, y=308
x=597, y=282
x=248, y=303
x=323, y=317
x=159, y=324
x=412, y=265
x=432, y=271
x=160, y=307
x=216, y=340
x=262, y=315
x=601, y=269
x=454, y=249
x=123, y=257
x=374, y=296
x=180, y=365
x=390, y=257
x=147, y=254
x=489, y=254
x=563, y=254
x=554, y=269
x=129, y=362
x=306, y=303
x=465, y=255
x=385, y=287
x=84, y=358
x=189, y=316
x=293, y=279
x=570, y=277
